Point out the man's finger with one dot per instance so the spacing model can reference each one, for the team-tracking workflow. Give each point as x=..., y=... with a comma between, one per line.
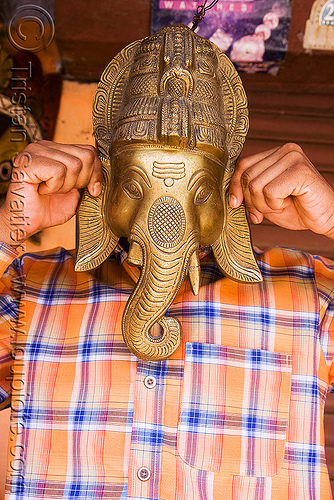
x=236, y=192
x=83, y=167
x=89, y=154
x=255, y=180
x=46, y=178
x=245, y=163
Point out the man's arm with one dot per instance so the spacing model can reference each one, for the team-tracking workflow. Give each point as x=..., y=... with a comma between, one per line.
x=284, y=186
x=43, y=192
x=45, y=184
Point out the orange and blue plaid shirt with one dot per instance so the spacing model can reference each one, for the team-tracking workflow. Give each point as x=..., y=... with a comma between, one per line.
x=236, y=413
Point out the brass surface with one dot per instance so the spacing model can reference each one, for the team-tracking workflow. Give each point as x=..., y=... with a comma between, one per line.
x=170, y=119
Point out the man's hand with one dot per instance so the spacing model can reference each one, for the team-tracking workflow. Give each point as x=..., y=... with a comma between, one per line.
x=44, y=190
x=284, y=186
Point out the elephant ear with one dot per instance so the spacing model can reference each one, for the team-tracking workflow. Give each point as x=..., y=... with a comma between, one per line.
x=95, y=240
x=233, y=249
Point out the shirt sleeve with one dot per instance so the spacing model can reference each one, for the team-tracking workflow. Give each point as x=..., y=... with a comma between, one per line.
x=324, y=275
x=10, y=292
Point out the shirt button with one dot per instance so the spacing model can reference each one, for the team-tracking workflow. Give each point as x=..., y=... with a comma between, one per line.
x=150, y=382
x=144, y=474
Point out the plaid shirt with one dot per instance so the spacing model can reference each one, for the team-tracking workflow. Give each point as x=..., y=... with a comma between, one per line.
x=235, y=413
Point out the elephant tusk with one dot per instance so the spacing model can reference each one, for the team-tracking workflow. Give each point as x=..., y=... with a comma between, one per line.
x=135, y=257
x=194, y=272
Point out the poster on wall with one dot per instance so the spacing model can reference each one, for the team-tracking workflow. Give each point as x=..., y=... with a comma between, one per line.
x=253, y=33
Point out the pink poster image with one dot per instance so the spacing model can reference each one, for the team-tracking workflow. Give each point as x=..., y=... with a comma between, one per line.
x=253, y=33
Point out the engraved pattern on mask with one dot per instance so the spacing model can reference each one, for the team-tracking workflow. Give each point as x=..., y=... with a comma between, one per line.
x=169, y=172
x=194, y=102
x=166, y=222
x=170, y=73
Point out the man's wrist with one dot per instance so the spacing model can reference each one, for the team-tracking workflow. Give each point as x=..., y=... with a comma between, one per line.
x=10, y=234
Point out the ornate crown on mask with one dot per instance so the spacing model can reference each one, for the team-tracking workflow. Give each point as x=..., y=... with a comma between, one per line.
x=173, y=95
x=176, y=89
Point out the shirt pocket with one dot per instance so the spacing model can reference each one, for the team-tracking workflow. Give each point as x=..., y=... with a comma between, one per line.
x=234, y=409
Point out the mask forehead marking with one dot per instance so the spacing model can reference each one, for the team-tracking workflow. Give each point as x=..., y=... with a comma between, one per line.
x=169, y=171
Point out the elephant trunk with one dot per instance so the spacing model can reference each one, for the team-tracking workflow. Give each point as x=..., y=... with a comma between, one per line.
x=161, y=277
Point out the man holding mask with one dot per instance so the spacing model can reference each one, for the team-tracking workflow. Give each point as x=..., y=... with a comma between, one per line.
x=201, y=389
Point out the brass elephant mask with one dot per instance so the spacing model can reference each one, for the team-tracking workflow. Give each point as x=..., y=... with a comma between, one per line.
x=170, y=118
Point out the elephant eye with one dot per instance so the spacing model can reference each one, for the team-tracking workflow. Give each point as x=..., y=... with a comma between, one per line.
x=133, y=190
x=203, y=194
